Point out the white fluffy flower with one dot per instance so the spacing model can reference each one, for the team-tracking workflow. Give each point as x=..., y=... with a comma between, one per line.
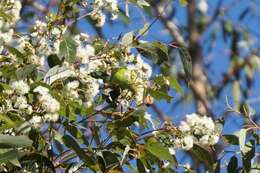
x=49, y=104
x=108, y=5
x=82, y=37
x=52, y=117
x=184, y=127
x=187, y=142
x=36, y=121
x=202, y=128
x=73, y=85
x=74, y=94
x=41, y=90
x=6, y=37
x=29, y=110
x=84, y=52
x=202, y=6
x=204, y=139
x=21, y=102
x=143, y=69
x=20, y=87
x=147, y=69
x=92, y=89
x=213, y=139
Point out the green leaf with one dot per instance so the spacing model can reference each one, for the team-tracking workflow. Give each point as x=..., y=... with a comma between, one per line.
x=57, y=73
x=228, y=27
x=122, y=77
x=242, y=138
x=71, y=143
x=27, y=71
x=186, y=61
x=159, y=151
x=110, y=159
x=8, y=71
x=4, y=86
x=175, y=84
x=232, y=165
x=74, y=166
x=128, y=121
x=248, y=154
x=231, y=139
x=127, y=39
x=122, y=15
x=159, y=95
x=203, y=155
x=6, y=122
x=53, y=60
x=236, y=91
x=140, y=166
x=68, y=49
x=156, y=51
x=140, y=3
x=144, y=31
x=15, y=52
x=9, y=156
x=7, y=141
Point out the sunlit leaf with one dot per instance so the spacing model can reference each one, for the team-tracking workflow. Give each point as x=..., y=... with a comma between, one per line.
x=68, y=49
x=186, y=61
x=203, y=155
x=72, y=143
x=231, y=139
x=7, y=141
x=127, y=39
x=159, y=151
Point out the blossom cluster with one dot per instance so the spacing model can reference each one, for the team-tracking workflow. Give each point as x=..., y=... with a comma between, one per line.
x=96, y=69
x=18, y=100
x=98, y=15
x=11, y=14
x=202, y=128
x=195, y=129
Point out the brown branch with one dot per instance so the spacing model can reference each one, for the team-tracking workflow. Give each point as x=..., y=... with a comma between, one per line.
x=200, y=84
x=170, y=26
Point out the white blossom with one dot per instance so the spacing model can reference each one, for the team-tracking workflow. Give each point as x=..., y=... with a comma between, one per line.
x=52, y=117
x=21, y=102
x=202, y=128
x=184, y=127
x=187, y=142
x=41, y=90
x=202, y=6
x=84, y=52
x=49, y=103
x=108, y=5
x=29, y=110
x=36, y=121
x=20, y=87
x=73, y=85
